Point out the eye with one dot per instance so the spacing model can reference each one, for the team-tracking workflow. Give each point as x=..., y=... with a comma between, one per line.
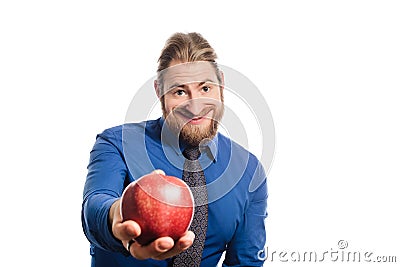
x=206, y=88
x=180, y=92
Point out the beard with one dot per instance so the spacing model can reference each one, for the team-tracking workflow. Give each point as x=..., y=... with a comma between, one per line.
x=193, y=134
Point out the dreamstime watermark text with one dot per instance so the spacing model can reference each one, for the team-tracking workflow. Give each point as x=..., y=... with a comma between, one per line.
x=341, y=253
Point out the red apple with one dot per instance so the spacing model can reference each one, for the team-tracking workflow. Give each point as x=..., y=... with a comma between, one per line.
x=161, y=205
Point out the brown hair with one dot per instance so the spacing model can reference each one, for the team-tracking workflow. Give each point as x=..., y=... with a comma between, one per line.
x=186, y=47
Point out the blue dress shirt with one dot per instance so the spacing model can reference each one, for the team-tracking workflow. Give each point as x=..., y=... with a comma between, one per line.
x=236, y=185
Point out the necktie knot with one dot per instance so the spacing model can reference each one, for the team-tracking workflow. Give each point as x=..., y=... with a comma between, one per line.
x=191, y=153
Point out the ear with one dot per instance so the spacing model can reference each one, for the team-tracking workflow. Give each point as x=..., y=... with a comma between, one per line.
x=157, y=88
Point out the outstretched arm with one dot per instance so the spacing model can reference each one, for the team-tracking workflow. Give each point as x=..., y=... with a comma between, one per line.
x=101, y=218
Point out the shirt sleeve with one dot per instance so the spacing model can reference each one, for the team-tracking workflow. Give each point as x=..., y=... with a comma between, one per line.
x=105, y=180
x=250, y=236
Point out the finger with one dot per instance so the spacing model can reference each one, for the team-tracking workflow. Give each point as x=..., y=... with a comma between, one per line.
x=153, y=249
x=159, y=172
x=181, y=245
x=127, y=230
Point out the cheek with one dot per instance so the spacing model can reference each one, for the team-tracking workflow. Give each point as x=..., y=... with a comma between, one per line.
x=167, y=105
x=217, y=95
x=171, y=104
x=167, y=108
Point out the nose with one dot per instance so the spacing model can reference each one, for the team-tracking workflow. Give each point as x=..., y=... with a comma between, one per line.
x=195, y=105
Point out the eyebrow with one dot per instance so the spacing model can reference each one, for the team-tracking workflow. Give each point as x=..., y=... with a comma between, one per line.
x=183, y=84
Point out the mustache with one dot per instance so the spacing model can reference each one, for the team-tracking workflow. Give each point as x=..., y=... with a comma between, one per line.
x=188, y=114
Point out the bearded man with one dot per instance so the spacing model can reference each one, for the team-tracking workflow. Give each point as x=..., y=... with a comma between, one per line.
x=228, y=217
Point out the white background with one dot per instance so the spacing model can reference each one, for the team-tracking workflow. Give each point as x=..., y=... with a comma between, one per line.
x=329, y=71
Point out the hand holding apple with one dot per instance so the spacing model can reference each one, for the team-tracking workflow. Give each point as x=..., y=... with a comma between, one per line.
x=159, y=249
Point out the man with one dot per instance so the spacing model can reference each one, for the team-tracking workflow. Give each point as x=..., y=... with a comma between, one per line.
x=229, y=217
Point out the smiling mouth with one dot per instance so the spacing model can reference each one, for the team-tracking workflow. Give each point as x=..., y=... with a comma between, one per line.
x=194, y=119
x=197, y=120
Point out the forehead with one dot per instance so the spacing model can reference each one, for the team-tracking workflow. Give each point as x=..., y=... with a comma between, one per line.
x=184, y=73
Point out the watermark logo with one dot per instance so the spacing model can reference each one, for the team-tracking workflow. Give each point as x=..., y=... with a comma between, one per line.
x=341, y=253
x=342, y=244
